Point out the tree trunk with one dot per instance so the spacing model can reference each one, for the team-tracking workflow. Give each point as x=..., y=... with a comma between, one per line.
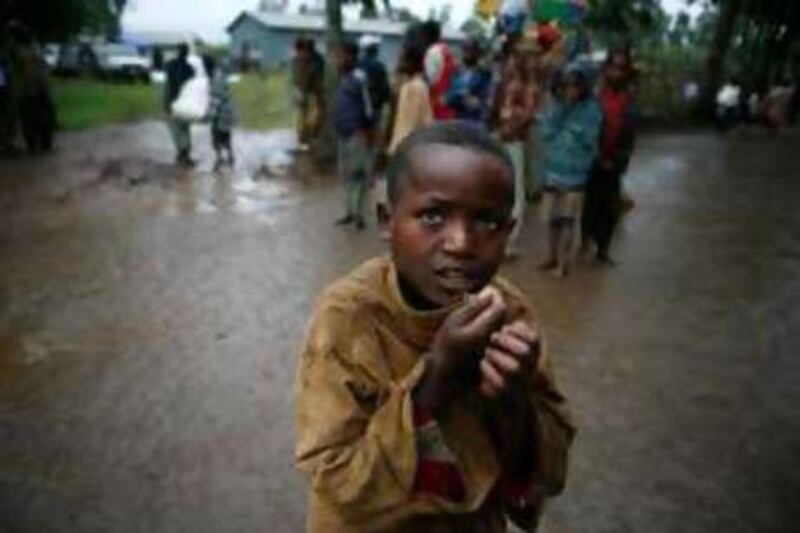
x=325, y=148
x=729, y=11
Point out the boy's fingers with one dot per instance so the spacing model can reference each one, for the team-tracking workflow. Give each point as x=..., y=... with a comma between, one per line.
x=502, y=361
x=471, y=309
x=487, y=390
x=491, y=375
x=487, y=320
x=523, y=331
x=510, y=344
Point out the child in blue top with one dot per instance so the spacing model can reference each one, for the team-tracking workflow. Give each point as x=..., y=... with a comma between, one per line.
x=570, y=134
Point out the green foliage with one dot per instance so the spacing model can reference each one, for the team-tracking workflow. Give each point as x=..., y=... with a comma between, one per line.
x=627, y=19
x=264, y=102
x=59, y=20
x=85, y=104
x=665, y=70
x=261, y=102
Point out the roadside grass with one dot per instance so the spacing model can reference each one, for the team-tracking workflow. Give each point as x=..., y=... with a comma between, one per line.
x=262, y=102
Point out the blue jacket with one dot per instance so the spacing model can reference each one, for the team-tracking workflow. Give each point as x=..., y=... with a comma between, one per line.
x=352, y=109
x=474, y=82
x=380, y=92
x=570, y=136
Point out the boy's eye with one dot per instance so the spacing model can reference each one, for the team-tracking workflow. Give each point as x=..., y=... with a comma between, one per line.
x=431, y=217
x=491, y=221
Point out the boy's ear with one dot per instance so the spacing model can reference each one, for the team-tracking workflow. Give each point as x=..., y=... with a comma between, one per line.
x=384, y=216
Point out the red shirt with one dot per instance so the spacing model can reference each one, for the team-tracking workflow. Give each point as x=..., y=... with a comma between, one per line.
x=614, y=105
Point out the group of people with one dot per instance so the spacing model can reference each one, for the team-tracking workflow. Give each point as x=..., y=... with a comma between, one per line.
x=568, y=127
x=220, y=112
x=26, y=104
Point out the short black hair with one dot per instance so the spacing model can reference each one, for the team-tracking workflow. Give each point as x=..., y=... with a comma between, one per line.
x=458, y=133
x=431, y=32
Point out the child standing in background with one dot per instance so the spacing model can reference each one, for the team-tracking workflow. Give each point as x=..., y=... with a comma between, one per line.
x=517, y=100
x=603, y=206
x=220, y=113
x=570, y=136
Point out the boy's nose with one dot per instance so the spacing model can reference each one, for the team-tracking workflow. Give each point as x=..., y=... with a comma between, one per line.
x=457, y=238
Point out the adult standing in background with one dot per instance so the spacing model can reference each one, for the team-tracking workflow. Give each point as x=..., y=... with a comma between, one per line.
x=413, y=110
x=308, y=77
x=440, y=69
x=380, y=91
x=36, y=109
x=179, y=71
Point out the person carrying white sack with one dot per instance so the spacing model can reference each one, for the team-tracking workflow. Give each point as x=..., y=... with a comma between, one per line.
x=179, y=72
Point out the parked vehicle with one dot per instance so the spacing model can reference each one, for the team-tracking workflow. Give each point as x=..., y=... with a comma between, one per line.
x=50, y=53
x=122, y=62
x=75, y=59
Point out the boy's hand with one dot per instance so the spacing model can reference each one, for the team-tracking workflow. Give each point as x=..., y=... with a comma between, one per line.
x=512, y=352
x=457, y=348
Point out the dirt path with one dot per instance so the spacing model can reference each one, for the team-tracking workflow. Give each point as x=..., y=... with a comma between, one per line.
x=149, y=321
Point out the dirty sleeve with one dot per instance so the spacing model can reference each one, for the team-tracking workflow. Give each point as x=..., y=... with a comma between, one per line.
x=355, y=439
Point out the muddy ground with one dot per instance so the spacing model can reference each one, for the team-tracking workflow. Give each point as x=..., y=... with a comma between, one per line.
x=150, y=318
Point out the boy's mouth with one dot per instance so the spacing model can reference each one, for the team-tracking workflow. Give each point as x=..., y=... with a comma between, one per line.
x=456, y=279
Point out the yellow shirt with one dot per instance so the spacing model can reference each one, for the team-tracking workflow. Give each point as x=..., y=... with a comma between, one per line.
x=356, y=439
x=413, y=110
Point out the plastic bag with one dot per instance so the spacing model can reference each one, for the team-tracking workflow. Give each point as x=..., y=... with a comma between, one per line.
x=194, y=99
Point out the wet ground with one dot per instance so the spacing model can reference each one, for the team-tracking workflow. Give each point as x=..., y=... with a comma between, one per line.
x=149, y=321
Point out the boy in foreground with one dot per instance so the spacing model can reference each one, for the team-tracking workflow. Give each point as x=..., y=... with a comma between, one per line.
x=425, y=398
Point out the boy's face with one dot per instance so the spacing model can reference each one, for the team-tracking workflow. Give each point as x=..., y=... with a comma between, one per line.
x=450, y=222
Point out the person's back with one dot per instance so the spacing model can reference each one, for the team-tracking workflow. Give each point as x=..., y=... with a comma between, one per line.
x=413, y=108
x=178, y=72
x=377, y=82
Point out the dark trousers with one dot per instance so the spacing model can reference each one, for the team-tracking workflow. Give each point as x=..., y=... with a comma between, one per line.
x=38, y=121
x=602, y=207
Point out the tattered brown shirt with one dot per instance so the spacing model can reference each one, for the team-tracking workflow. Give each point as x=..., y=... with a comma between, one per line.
x=356, y=436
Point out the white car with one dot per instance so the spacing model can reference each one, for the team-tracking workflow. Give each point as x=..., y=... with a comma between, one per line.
x=122, y=62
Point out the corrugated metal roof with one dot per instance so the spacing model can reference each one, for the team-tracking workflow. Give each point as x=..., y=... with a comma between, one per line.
x=163, y=38
x=297, y=22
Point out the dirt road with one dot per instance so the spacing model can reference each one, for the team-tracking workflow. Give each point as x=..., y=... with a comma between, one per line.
x=149, y=321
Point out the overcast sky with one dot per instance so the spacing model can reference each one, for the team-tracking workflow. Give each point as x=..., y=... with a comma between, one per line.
x=210, y=17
